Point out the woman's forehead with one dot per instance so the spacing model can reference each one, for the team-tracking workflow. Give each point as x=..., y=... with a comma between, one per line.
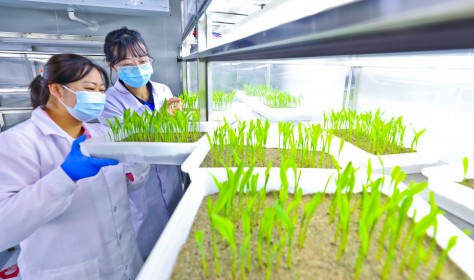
x=136, y=50
x=93, y=76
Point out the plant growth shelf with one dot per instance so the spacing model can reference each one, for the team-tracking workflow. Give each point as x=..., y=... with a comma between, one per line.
x=449, y=194
x=164, y=255
x=409, y=162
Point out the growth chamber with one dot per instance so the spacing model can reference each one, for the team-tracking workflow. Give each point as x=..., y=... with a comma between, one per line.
x=402, y=60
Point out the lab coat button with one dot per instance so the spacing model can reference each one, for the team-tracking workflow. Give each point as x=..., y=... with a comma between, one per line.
x=126, y=266
x=115, y=208
x=120, y=236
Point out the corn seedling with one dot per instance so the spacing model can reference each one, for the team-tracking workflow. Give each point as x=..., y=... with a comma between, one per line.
x=222, y=100
x=442, y=259
x=465, y=165
x=281, y=99
x=310, y=146
x=155, y=126
x=255, y=90
x=239, y=211
x=309, y=209
x=370, y=132
x=226, y=228
x=214, y=238
x=189, y=100
x=272, y=97
x=199, y=236
x=246, y=142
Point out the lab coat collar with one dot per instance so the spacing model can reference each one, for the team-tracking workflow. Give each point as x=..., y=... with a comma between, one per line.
x=48, y=127
x=158, y=99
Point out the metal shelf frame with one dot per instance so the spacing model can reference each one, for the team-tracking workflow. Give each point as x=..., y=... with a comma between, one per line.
x=361, y=27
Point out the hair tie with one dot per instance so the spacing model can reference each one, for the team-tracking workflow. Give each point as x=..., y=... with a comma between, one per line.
x=41, y=73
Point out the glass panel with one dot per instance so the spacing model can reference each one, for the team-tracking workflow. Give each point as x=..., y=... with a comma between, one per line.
x=15, y=100
x=432, y=90
x=10, y=120
x=192, y=81
x=440, y=100
x=321, y=87
x=15, y=72
x=188, y=10
x=189, y=45
x=200, y=3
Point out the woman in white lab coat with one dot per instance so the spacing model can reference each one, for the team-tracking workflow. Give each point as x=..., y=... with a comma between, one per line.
x=69, y=212
x=151, y=207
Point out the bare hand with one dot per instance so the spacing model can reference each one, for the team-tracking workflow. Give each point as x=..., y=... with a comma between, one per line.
x=174, y=104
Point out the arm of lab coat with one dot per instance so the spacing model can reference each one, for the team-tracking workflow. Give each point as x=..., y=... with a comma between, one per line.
x=27, y=200
x=110, y=111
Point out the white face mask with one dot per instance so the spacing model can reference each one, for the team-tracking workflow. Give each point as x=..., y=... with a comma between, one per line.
x=89, y=105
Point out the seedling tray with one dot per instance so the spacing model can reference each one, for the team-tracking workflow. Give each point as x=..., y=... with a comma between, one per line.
x=161, y=262
x=170, y=153
x=449, y=194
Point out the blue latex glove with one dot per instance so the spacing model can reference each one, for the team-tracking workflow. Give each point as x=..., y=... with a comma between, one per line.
x=78, y=166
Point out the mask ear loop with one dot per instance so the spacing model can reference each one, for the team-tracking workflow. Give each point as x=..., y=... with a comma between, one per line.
x=64, y=104
x=69, y=89
x=118, y=77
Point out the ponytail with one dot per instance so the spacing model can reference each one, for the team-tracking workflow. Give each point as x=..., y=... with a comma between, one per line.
x=39, y=92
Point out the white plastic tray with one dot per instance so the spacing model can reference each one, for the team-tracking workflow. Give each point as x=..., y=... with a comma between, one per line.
x=449, y=195
x=409, y=162
x=192, y=163
x=144, y=152
x=276, y=114
x=160, y=263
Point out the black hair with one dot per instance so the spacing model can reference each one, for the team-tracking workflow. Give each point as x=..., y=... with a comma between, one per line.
x=61, y=69
x=123, y=40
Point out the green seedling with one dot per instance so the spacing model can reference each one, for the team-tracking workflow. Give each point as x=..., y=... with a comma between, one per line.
x=222, y=100
x=370, y=131
x=214, y=238
x=156, y=126
x=465, y=164
x=442, y=259
x=226, y=228
x=418, y=134
x=308, y=213
x=199, y=237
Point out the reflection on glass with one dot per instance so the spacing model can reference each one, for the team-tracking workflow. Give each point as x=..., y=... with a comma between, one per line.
x=432, y=90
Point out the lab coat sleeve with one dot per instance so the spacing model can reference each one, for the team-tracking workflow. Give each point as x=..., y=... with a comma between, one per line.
x=110, y=112
x=27, y=200
x=168, y=93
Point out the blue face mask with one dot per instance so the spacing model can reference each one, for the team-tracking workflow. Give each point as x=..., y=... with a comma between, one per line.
x=135, y=76
x=89, y=105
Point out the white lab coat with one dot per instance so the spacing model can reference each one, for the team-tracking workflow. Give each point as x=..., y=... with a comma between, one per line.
x=66, y=230
x=151, y=206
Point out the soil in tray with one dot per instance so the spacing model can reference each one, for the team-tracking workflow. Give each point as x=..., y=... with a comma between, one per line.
x=152, y=137
x=316, y=260
x=364, y=143
x=272, y=154
x=468, y=183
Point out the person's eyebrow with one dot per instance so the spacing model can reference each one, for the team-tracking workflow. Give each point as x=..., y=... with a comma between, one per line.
x=90, y=82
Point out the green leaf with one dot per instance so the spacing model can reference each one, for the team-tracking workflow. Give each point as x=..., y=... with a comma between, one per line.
x=465, y=164
x=225, y=228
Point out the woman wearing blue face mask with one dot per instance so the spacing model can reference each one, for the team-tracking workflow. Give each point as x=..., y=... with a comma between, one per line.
x=69, y=212
x=151, y=207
